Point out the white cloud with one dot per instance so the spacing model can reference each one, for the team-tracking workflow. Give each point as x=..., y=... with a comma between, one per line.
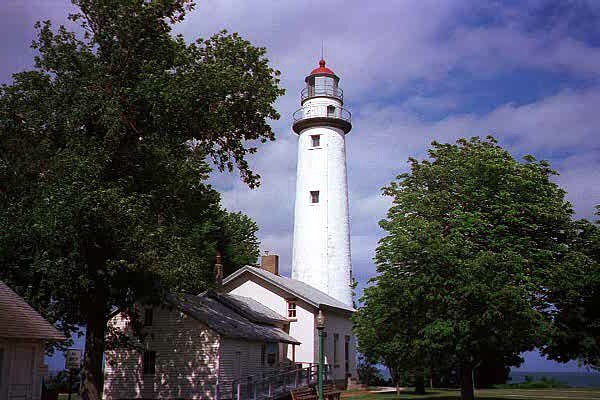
x=381, y=49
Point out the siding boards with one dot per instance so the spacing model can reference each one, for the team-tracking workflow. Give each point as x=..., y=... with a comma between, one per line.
x=239, y=359
x=186, y=360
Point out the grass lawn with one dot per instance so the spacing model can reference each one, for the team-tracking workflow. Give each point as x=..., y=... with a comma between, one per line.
x=64, y=396
x=497, y=394
x=488, y=394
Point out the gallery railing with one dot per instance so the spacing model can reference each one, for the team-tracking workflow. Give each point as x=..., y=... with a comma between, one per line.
x=322, y=111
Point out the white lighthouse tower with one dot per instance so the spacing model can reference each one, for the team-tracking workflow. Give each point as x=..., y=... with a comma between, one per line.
x=321, y=252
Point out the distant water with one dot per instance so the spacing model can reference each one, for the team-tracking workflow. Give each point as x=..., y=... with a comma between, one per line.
x=574, y=379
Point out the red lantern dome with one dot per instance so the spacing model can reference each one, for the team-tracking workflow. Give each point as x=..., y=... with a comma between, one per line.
x=322, y=70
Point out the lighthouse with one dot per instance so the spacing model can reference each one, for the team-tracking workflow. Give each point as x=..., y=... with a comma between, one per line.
x=321, y=249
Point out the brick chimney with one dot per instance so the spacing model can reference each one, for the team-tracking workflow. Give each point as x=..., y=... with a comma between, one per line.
x=270, y=263
x=218, y=271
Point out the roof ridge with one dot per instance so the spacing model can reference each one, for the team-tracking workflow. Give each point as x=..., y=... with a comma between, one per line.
x=221, y=317
x=279, y=280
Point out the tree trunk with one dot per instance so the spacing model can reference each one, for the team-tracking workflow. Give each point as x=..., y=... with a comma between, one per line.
x=92, y=375
x=395, y=380
x=419, y=383
x=466, y=382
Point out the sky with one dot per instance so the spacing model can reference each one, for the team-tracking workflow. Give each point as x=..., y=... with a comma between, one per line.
x=525, y=71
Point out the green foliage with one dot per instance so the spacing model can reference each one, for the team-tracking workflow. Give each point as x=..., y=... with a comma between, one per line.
x=472, y=237
x=369, y=374
x=542, y=383
x=104, y=154
x=59, y=382
x=575, y=295
x=240, y=244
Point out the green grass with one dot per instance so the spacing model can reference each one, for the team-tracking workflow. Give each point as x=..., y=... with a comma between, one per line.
x=489, y=394
x=64, y=396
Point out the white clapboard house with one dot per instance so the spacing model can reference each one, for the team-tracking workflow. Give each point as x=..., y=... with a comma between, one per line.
x=300, y=303
x=195, y=346
x=23, y=336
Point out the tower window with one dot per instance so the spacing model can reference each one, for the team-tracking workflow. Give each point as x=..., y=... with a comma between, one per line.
x=331, y=111
x=149, y=362
x=314, y=196
x=315, y=140
x=291, y=309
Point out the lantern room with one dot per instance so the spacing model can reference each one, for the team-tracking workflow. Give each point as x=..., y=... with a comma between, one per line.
x=322, y=102
x=322, y=82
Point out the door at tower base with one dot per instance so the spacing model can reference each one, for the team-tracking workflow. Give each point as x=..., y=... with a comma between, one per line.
x=301, y=302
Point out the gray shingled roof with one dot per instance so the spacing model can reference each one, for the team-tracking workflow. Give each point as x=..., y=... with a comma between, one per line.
x=19, y=320
x=216, y=311
x=295, y=287
x=252, y=309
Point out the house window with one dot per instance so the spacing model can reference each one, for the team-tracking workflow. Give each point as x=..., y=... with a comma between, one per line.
x=315, y=140
x=149, y=362
x=347, y=354
x=272, y=352
x=291, y=309
x=336, y=339
x=148, y=315
x=314, y=196
x=263, y=354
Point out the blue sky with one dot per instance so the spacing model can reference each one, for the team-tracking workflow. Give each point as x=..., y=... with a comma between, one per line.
x=412, y=71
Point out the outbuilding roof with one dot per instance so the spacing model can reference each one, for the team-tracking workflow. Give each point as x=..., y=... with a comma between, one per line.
x=294, y=287
x=233, y=316
x=18, y=320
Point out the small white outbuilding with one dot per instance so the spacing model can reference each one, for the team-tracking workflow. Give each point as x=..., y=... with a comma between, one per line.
x=23, y=336
x=195, y=346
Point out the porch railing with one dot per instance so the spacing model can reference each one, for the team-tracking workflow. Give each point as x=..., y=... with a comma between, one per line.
x=258, y=387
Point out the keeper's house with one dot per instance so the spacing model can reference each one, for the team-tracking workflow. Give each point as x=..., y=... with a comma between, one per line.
x=301, y=303
x=23, y=336
x=195, y=346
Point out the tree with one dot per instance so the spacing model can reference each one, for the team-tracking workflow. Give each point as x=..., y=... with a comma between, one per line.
x=575, y=296
x=368, y=373
x=240, y=244
x=103, y=162
x=386, y=325
x=472, y=237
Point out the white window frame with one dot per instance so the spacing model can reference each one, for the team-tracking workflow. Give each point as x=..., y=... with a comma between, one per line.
x=292, y=308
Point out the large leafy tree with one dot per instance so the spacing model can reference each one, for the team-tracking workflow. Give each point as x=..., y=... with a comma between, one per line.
x=104, y=151
x=575, y=296
x=473, y=236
